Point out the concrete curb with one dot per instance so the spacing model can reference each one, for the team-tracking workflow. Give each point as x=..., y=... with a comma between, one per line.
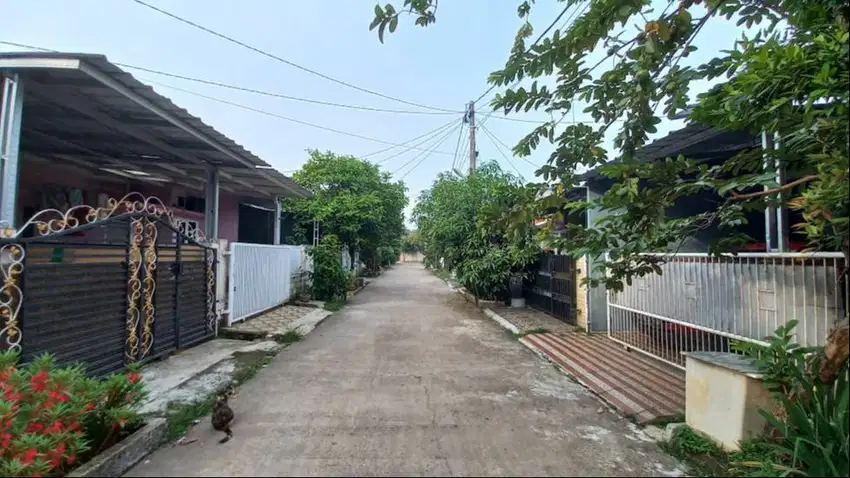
x=126, y=454
x=501, y=321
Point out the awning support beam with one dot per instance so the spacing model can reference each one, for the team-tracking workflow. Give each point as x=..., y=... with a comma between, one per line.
x=11, y=109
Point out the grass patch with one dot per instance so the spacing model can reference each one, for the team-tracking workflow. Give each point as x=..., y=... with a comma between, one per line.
x=181, y=416
x=704, y=457
x=289, y=337
x=442, y=274
x=335, y=305
x=538, y=330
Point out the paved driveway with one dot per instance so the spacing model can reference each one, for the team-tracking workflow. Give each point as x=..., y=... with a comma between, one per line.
x=409, y=380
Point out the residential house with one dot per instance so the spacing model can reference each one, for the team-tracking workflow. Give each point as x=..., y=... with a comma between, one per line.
x=75, y=131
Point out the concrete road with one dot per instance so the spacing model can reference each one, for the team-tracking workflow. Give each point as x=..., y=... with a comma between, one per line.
x=410, y=380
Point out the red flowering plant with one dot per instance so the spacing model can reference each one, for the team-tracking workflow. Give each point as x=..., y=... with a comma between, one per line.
x=52, y=419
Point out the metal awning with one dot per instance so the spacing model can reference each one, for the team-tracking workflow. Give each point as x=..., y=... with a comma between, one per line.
x=83, y=110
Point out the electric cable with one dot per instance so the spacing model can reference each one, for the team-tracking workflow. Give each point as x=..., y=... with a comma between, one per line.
x=282, y=60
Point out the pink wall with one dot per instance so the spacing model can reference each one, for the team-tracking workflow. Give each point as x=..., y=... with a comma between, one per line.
x=35, y=176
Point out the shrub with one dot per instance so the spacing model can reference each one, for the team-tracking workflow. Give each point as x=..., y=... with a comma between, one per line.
x=389, y=256
x=811, y=421
x=53, y=419
x=329, y=278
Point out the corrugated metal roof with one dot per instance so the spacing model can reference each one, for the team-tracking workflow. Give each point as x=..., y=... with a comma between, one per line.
x=697, y=141
x=79, y=103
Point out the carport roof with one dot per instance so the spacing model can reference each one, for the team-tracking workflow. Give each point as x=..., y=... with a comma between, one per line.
x=82, y=109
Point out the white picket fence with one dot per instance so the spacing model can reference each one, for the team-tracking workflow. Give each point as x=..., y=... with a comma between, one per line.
x=261, y=277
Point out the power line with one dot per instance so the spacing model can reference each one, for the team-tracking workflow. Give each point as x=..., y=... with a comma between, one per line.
x=282, y=60
x=393, y=145
x=540, y=37
x=432, y=136
x=424, y=156
x=440, y=128
x=252, y=90
x=286, y=97
x=496, y=138
x=282, y=96
x=457, y=147
x=274, y=115
x=499, y=149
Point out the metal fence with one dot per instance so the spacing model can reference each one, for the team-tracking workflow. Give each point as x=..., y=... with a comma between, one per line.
x=105, y=287
x=552, y=289
x=260, y=279
x=700, y=302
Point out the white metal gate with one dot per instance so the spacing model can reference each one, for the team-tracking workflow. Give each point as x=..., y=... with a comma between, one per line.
x=702, y=302
x=260, y=277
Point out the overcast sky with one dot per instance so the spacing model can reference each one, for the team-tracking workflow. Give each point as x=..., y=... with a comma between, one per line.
x=442, y=66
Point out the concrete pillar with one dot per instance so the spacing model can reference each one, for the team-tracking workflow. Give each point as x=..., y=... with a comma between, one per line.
x=11, y=115
x=211, y=205
x=277, y=212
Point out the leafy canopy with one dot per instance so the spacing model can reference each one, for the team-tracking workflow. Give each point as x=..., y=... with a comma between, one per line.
x=788, y=74
x=353, y=201
x=455, y=223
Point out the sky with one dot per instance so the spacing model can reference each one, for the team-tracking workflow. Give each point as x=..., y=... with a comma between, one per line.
x=443, y=66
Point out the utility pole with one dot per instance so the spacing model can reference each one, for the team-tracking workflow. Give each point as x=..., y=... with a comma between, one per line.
x=470, y=119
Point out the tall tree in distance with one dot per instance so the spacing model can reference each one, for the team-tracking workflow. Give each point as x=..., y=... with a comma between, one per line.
x=353, y=201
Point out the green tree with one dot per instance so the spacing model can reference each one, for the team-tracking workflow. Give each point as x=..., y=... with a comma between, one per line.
x=454, y=219
x=353, y=201
x=411, y=243
x=788, y=74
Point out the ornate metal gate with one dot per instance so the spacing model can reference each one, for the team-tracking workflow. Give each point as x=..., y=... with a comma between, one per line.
x=105, y=286
x=552, y=289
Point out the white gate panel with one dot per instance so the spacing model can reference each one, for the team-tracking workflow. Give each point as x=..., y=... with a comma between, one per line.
x=260, y=278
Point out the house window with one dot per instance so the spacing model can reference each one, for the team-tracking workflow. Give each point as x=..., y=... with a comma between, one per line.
x=187, y=227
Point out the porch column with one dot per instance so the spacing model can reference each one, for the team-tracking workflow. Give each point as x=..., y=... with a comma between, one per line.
x=11, y=111
x=277, y=211
x=211, y=205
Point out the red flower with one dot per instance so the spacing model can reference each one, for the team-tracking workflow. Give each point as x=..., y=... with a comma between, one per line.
x=13, y=396
x=55, y=427
x=74, y=426
x=38, y=382
x=5, y=440
x=29, y=455
x=35, y=427
x=58, y=396
x=72, y=458
x=89, y=406
x=133, y=377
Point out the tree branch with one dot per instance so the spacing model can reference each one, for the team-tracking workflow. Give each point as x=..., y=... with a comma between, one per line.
x=768, y=192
